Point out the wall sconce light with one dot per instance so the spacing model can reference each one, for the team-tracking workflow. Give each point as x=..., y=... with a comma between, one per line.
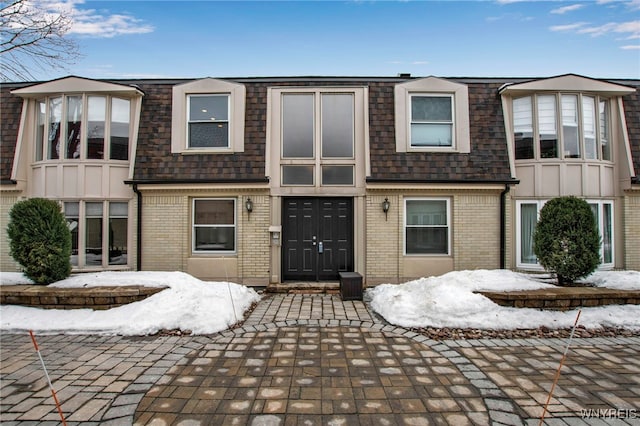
x=248, y=205
x=385, y=207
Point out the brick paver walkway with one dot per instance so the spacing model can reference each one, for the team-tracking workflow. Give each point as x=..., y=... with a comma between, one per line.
x=313, y=359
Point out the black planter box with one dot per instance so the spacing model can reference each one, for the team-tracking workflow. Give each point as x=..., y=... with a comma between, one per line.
x=350, y=286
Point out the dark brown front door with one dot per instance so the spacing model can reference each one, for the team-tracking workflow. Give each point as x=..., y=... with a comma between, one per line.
x=317, y=238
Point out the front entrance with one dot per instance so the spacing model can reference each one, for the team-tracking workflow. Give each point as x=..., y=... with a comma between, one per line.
x=317, y=240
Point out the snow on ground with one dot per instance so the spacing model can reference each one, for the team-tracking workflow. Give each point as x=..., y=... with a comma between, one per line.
x=449, y=301
x=208, y=307
x=187, y=304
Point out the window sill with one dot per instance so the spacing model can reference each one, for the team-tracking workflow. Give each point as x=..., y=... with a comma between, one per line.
x=446, y=149
x=199, y=151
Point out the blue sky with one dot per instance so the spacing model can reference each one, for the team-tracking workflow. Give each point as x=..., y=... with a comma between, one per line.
x=504, y=38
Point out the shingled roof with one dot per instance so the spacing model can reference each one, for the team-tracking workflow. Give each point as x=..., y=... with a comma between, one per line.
x=487, y=162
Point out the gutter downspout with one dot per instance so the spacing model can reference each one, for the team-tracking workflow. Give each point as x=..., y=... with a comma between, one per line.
x=503, y=224
x=138, y=228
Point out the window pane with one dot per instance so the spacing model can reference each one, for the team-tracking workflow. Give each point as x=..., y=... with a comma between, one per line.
x=426, y=212
x=212, y=238
x=528, y=221
x=74, y=124
x=55, y=118
x=431, y=134
x=337, y=125
x=96, y=112
x=120, y=113
x=547, y=126
x=214, y=225
x=209, y=108
x=209, y=135
x=523, y=128
x=337, y=175
x=607, y=232
x=214, y=212
x=118, y=224
x=41, y=117
x=589, y=127
x=297, y=175
x=604, y=130
x=297, y=126
x=431, y=108
x=72, y=214
x=93, y=241
x=427, y=241
x=570, y=126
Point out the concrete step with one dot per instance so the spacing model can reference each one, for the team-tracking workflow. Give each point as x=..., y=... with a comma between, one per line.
x=329, y=287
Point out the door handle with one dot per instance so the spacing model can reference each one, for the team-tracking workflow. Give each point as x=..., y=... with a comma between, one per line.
x=320, y=247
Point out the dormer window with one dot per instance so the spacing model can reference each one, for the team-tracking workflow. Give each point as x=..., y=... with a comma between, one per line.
x=82, y=127
x=208, y=121
x=208, y=117
x=431, y=120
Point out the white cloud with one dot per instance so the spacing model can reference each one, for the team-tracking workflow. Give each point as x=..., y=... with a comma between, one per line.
x=632, y=28
x=565, y=9
x=568, y=27
x=94, y=23
x=631, y=47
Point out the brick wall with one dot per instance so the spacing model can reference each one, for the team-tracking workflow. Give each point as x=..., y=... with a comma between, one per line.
x=166, y=236
x=476, y=231
x=7, y=263
x=165, y=228
x=632, y=232
x=383, y=239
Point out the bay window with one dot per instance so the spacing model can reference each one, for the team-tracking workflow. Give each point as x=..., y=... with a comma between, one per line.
x=77, y=127
x=583, y=132
x=427, y=227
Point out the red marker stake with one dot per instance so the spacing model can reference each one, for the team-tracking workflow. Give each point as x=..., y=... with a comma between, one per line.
x=53, y=392
x=555, y=379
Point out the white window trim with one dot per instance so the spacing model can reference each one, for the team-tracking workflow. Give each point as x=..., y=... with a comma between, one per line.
x=519, y=264
x=360, y=159
x=234, y=226
x=404, y=227
x=461, y=139
x=540, y=204
x=82, y=234
x=228, y=120
x=180, y=118
x=453, y=120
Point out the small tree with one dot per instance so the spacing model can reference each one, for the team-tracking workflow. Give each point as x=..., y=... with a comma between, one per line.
x=40, y=240
x=566, y=240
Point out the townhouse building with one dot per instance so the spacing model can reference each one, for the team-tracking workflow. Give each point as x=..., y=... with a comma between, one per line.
x=289, y=179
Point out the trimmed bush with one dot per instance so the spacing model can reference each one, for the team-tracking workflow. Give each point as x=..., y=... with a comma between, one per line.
x=40, y=240
x=566, y=240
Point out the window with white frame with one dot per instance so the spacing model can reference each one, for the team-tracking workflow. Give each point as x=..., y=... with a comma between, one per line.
x=551, y=126
x=318, y=138
x=432, y=120
x=208, y=121
x=427, y=226
x=214, y=225
x=207, y=116
x=76, y=127
x=89, y=224
x=528, y=211
x=432, y=114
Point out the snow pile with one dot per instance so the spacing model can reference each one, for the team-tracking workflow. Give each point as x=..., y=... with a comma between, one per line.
x=187, y=304
x=449, y=301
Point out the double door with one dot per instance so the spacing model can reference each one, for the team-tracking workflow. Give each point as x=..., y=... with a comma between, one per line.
x=317, y=240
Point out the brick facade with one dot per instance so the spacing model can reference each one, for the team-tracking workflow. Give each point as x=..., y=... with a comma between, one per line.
x=632, y=231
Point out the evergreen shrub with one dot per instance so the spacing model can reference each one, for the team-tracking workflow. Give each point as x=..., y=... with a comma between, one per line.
x=566, y=240
x=40, y=240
